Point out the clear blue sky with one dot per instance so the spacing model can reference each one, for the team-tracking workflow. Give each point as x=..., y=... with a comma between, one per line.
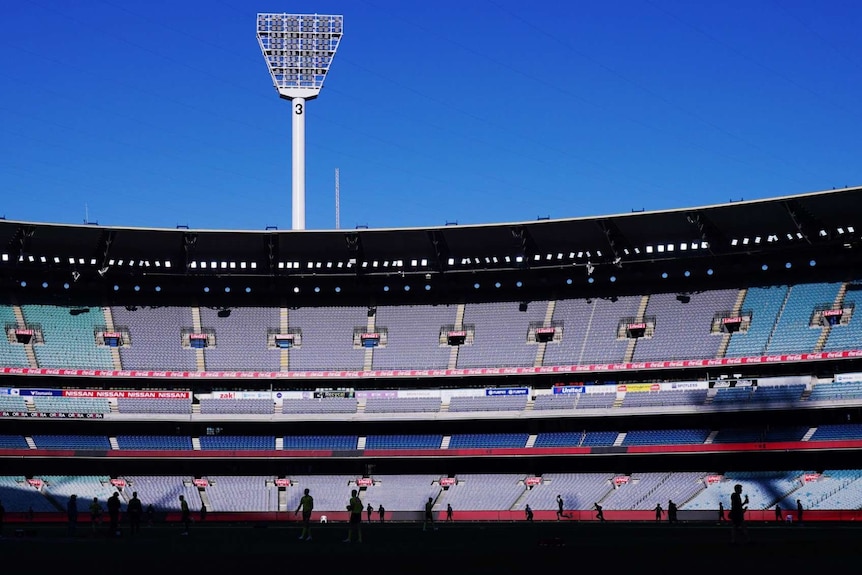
x=161, y=112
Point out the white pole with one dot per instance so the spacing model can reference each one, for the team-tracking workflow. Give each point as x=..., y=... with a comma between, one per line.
x=298, y=108
x=337, y=202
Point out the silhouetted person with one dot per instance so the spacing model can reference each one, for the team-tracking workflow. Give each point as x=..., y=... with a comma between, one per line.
x=134, y=510
x=778, y=516
x=799, y=511
x=429, y=514
x=185, y=514
x=114, y=513
x=600, y=515
x=95, y=513
x=449, y=512
x=368, y=511
x=658, y=511
x=721, y=517
x=381, y=513
x=306, y=503
x=72, y=514
x=528, y=511
x=737, y=513
x=559, y=507
x=671, y=512
x=354, y=506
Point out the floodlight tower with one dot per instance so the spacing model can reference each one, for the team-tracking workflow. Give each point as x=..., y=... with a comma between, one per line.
x=298, y=49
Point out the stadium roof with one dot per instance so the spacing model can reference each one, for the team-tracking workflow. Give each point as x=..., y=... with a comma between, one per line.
x=824, y=226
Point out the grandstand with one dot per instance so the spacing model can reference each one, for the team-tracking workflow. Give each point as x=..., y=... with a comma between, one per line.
x=624, y=360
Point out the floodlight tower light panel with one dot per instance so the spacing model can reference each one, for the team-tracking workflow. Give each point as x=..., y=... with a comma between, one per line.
x=298, y=49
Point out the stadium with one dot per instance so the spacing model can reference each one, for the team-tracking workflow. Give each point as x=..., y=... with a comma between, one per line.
x=626, y=360
x=555, y=383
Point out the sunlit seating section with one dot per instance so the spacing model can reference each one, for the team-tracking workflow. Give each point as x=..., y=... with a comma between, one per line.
x=492, y=492
x=575, y=316
x=683, y=330
x=401, y=492
x=692, y=491
x=228, y=493
x=764, y=303
x=155, y=338
x=241, y=339
x=327, y=338
x=780, y=323
x=500, y=336
x=70, y=340
x=413, y=336
x=792, y=333
x=602, y=344
x=330, y=492
x=832, y=489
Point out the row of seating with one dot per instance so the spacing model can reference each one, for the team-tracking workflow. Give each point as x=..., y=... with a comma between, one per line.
x=837, y=489
x=781, y=321
x=831, y=432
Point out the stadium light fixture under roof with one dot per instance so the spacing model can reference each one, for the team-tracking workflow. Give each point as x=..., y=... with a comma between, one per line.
x=298, y=49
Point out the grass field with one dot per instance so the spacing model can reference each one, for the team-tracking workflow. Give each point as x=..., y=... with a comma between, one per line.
x=453, y=548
